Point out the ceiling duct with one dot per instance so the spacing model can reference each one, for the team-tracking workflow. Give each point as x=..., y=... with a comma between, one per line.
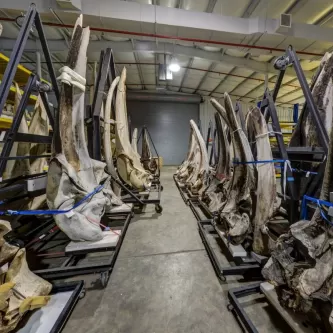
x=285, y=23
x=70, y=4
x=164, y=73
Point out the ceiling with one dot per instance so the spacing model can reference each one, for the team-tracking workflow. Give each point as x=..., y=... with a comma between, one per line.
x=199, y=72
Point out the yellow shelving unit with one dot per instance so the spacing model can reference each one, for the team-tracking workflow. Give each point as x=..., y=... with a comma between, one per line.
x=21, y=77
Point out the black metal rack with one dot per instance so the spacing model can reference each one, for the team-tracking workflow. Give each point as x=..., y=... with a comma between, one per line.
x=106, y=74
x=33, y=85
x=292, y=153
x=46, y=249
x=144, y=131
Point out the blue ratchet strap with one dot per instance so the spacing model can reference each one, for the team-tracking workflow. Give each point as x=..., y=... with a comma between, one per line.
x=258, y=162
x=319, y=202
x=308, y=172
x=289, y=179
x=52, y=212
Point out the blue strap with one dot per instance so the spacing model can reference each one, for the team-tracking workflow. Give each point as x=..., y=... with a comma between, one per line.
x=52, y=211
x=258, y=162
x=309, y=172
x=319, y=202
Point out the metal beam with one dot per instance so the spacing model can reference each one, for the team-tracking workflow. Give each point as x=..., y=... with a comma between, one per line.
x=190, y=63
x=211, y=67
x=211, y=6
x=162, y=48
x=296, y=6
x=325, y=18
x=251, y=8
x=221, y=82
x=136, y=14
x=242, y=82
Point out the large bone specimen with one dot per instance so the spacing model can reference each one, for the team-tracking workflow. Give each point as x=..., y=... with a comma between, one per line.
x=200, y=171
x=237, y=209
x=148, y=162
x=72, y=173
x=215, y=194
x=302, y=263
x=134, y=143
x=128, y=163
x=107, y=137
x=183, y=171
x=20, y=289
x=265, y=180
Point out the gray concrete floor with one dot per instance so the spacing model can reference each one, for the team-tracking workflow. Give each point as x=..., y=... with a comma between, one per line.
x=163, y=281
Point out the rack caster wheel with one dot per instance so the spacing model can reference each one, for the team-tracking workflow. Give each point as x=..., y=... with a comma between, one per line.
x=104, y=278
x=158, y=209
x=230, y=307
x=162, y=188
x=82, y=294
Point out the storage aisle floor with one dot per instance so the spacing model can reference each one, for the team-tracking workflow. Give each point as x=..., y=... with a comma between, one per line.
x=163, y=281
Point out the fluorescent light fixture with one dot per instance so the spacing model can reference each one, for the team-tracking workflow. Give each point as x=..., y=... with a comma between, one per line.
x=174, y=67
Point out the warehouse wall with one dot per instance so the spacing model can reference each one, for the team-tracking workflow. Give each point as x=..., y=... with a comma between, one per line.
x=168, y=124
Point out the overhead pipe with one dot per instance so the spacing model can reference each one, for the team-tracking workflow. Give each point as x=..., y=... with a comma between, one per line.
x=174, y=86
x=151, y=96
x=183, y=39
x=184, y=67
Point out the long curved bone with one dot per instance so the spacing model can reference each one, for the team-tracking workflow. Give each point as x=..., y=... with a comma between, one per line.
x=197, y=179
x=236, y=211
x=183, y=170
x=72, y=173
x=265, y=179
x=148, y=162
x=134, y=142
x=107, y=137
x=215, y=194
x=128, y=164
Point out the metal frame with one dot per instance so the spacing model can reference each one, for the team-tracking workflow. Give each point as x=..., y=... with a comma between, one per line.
x=69, y=266
x=236, y=308
x=31, y=19
x=248, y=267
x=106, y=74
x=78, y=292
x=145, y=129
x=212, y=151
x=268, y=108
x=297, y=153
x=181, y=190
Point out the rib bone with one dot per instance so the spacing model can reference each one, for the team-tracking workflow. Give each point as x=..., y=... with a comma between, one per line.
x=128, y=164
x=72, y=173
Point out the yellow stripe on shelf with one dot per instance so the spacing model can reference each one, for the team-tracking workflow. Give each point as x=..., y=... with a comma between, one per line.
x=22, y=74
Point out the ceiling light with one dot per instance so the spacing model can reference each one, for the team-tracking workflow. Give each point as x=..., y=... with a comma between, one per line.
x=174, y=67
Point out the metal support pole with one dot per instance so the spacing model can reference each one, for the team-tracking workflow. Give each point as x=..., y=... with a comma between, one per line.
x=47, y=56
x=321, y=130
x=240, y=114
x=208, y=134
x=99, y=95
x=38, y=65
x=283, y=151
x=16, y=55
x=10, y=134
x=213, y=148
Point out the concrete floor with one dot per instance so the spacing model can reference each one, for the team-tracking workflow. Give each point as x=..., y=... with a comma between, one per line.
x=163, y=281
